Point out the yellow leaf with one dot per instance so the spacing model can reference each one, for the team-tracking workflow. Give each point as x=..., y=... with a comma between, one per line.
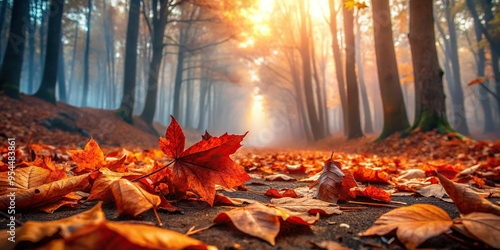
x=131, y=199
x=88, y=159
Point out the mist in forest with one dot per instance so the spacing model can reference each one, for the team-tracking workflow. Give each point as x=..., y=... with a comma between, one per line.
x=288, y=71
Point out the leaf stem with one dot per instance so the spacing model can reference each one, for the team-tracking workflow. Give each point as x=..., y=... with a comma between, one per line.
x=154, y=172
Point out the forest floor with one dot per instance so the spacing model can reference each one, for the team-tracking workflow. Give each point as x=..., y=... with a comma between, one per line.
x=54, y=129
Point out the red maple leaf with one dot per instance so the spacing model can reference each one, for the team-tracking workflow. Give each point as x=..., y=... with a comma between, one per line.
x=204, y=164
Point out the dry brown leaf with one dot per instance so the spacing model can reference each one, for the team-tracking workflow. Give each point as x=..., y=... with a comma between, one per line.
x=255, y=219
x=131, y=199
x=466, y=200
x=23, y=178
x=307, y=205
x=224, y=200
x=484, y=226
x=100, y=189
x=34, y=231
x=330, y=182
x=44, y=194
x=279, y=177
x=69, y=200
x=261, y=221
x=329, y=245
x=414, y=224
x=115, y=235
x=435, y=190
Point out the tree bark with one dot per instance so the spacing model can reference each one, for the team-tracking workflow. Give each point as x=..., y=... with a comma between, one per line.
x=3, y=9
x=353, y=114
x=428, y=74
x=129, y=72
x=31, y=51
x=339, y=68
x=47, y=90
x=394, y=111
x=61, y=79
x=362, y=86
x=10, y=74
x=86, y=62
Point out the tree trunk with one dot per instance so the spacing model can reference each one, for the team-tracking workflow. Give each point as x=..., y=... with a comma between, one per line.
x=47, y=90
x=3, y=9
x=339, y=68
x=159, y=24
x=362, y=86
x=61, y=79
x=428, y=74
x=353, y=114
x=395, y=118
x=42, y=33
x=178, y=77
x=31, y=51
x=10, y=74
x=86, y=58
x=307, y=75
x=129, y=72
x=459, y=121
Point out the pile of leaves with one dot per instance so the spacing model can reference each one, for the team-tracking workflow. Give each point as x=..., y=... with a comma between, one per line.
x=47, y=178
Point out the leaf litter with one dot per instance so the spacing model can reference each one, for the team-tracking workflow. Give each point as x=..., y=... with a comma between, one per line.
x=139, y=181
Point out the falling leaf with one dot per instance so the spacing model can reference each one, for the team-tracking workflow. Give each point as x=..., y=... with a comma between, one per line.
x=204, y=164
x=476, y=81
x=88, y=159
x=35, y=231
x=484, y=226
x=374, y=193
x=279, y=177
x=131, y=199
x=414, y=224
x=282, y=193
x=261, y=221
x=44, y=194
x=466, y=200
x=307, y=205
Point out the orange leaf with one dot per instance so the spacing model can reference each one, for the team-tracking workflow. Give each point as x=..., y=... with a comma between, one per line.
x=476, y=81
x=101, y=187
x=88, y=159
x=307, y=205
x=23, y=178
x=375, y=193
x=131, y=199
x=414, y=224
x=466, y=200
x=205, y=164
x=280, y=194
x=483, y=226
x=363, y=174
x=41, y=195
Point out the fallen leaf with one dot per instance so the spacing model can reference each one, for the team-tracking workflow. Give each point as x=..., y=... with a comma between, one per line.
x=23, y=178
x=205, y=164
x=414, y=224
x=282, y=193
x=88, y=159
x=116, y=235
x=363, y=174
x=34, y=231
x=131, y=199
x=466, y=200
x=412, y=173
x=224, y=200
x=307, y=205
x=484, y=226
x=101, y=187
x=279, y=177
x=329, y=245
x=330, y=182
x=261, y=221
x=435, y=190
x=44, y=194
x=374, y=193
x=70, y=200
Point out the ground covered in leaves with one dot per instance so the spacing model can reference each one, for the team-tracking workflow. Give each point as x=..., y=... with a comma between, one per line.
x=272, y=204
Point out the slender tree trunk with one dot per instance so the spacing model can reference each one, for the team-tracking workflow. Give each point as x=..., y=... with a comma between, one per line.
x=31, y=50
x=61, y=79
x=428, y=74
x=42, y=34
x=10, y=73
x=178, y=78
x=318, y=93
x=307, y=74
x=362, y=86
x=460, y=121
x=86, y=62
x=3, y=9
x=354, y=130
x=129, y=72
x=47, y=90
x=339, y=68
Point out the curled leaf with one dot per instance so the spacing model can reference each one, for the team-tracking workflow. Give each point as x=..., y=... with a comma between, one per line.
x=131, y=199
x=484, y=226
